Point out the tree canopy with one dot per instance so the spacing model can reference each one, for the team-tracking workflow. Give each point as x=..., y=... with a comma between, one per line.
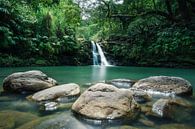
x=56, y=32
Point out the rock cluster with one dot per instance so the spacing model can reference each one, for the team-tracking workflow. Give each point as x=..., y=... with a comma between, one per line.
x=159, y=96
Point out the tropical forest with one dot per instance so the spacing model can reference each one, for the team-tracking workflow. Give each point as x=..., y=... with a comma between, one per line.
x=97, y=64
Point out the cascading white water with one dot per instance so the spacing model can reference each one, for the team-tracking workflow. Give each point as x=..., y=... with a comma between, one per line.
x=95, y=53
x=102, y=56
x=98, y=55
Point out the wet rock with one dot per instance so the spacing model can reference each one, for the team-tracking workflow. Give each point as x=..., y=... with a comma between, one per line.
x=147, y=122
x=103, y=101
x=172, y=108
x=175, y=126
x=49, y=106
x=65, y=90
x=128, y=127
x=165, y=86
x=12, y=119
x=30, y=81
x=67, y=99
x=140, y=96
x=121, y=83
x=146, y=109
x=123, y=127
x=59, y=121
x=53, y=106
x=65, y=106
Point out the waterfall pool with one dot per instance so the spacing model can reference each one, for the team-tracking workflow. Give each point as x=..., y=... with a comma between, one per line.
x=17, y=112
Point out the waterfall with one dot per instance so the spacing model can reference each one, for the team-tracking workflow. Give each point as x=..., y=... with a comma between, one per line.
x=98, y=55
x=102, y=56
x=95, y=53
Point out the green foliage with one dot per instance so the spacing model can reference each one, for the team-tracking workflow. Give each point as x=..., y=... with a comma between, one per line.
x=42, y=30
x=47, y=32
x=172, y=41
x=6, y=38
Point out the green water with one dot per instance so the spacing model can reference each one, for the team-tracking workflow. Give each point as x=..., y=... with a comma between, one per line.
x=87, y=74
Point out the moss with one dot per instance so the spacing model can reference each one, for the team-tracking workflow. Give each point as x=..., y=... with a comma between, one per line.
x=123, y=127
x=12, y=119
x=31, y=125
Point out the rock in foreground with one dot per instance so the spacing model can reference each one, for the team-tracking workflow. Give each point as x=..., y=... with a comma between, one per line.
x=165, y=85
x=103, y=101
x=65, y=90
x=30, y=81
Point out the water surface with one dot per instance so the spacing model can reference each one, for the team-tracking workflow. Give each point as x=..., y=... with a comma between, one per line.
x=90, y=74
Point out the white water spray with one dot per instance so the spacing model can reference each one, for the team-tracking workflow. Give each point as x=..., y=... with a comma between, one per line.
x=98, y=55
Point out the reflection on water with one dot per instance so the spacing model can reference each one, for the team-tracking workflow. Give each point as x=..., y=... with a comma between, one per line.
x=98, y=73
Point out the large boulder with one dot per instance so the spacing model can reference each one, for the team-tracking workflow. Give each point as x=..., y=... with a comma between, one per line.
x=103, y=101
x=121, y=83
x=172, y=108
x=165, y=85
x=30, y=81
x=65, y=90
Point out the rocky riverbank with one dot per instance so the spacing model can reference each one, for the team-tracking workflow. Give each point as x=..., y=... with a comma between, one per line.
x=117, y=100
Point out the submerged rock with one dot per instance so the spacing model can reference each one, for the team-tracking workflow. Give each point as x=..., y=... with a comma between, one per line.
x=103, y=101
x=128, y=127
x=59, y=121
x=176, y=126
x=30, y=81
x=121, y=83
x=147, y=122
x=12, y=119
x=49, y=106
x=65, y=90
x=123, y=127
x=165, y=86
x=172, y=108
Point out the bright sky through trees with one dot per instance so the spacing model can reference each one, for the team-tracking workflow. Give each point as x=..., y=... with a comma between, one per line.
x=90, y=4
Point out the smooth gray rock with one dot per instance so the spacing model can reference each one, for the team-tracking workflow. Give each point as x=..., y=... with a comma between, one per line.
x=30, y=81
x=103, y=101
x=165, y=86
x=65, y=90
